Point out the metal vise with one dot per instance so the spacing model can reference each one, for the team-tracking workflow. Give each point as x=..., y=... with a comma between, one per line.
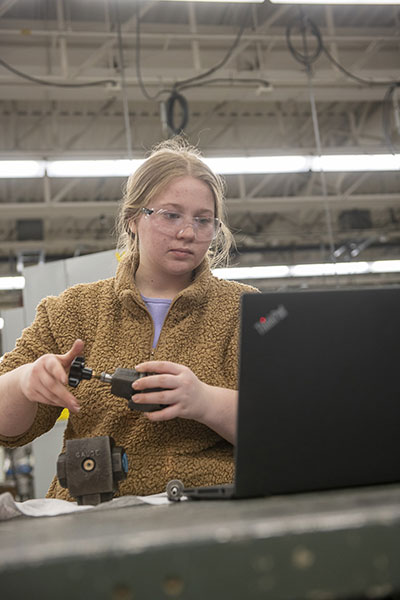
x=91, y=469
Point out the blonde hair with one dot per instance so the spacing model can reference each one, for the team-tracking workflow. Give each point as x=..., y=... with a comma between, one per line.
x=168, y=160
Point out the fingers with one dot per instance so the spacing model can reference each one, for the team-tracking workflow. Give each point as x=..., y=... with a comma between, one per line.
x=45, y=382
x=180, y=390
x=159, y=366
x=166, y=397
x=67, y=358
x=57, y=396
x=163, y=381
x=52, y=380
x=52, y=366
x=170, y=412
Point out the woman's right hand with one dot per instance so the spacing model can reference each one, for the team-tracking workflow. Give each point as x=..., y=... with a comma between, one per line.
x=45, y=379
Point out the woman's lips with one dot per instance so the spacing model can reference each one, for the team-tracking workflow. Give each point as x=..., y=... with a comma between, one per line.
x=181, y=252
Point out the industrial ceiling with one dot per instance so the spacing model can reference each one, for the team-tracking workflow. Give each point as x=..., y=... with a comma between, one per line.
x=95, y=79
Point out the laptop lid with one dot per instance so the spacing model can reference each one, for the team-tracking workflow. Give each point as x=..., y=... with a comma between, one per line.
x=319, y=391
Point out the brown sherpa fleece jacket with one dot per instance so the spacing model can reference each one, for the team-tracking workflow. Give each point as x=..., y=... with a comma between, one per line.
x=200, y=331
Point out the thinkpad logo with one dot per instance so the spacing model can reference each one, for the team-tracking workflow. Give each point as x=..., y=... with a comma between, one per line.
x=274, y=317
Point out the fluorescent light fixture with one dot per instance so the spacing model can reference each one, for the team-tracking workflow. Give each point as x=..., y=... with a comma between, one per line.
x=359, y=2
x=92, y=168
x=15, y=169
x=328, y=269
x=226, y=1
x=271, y=272
x=309, y=270
x=356, y=162
x=1, y=322
x=385, y=266
x=12, y=283
x=259, y=164
x=340, y=163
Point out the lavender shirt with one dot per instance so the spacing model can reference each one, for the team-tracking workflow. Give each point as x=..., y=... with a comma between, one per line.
x=158, y=308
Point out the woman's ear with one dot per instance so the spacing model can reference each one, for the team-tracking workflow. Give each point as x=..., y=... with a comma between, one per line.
x=132, y=229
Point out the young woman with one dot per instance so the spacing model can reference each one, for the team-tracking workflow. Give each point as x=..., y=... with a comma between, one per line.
x=163, y=312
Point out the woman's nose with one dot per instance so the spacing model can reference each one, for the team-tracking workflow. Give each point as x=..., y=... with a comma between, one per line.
x=187, y=231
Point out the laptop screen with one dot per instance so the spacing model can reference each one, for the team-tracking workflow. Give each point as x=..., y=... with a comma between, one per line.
x=319, y=391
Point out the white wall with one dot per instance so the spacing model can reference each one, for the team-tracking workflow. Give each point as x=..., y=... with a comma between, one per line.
x=14, y=322
x=50, y=279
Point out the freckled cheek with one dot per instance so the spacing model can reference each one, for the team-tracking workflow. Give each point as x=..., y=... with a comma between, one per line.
x=152, y=241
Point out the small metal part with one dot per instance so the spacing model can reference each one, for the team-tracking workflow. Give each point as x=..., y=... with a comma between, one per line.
x=174, y=490
x=105, y=377
x=88, y=464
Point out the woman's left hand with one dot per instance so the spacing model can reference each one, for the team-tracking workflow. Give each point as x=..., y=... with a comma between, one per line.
x=183, y=394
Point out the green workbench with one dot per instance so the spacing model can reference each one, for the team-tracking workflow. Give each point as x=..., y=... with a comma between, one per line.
x=337, y=544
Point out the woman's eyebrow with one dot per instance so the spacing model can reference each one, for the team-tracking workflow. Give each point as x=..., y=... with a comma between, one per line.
x=180, y=208
x=169, y=204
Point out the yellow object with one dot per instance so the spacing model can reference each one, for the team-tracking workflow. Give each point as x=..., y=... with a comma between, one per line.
x=119, y=255
x=64, y=415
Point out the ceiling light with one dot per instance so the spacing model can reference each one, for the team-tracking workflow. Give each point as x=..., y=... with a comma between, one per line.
x=340, y=163
x=259, y=164
x=309, y=270
x=329, y=269
x=359, y=2
x=385, y=266
x=270, y=272
x=226, y=1
x=356, y=162
x=15, y=169
x=12, y=283
x=92, y=168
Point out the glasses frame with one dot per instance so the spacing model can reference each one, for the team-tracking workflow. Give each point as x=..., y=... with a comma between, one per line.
x=194, y=221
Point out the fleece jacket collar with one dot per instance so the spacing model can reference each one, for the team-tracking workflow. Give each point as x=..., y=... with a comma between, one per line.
x=195, y=294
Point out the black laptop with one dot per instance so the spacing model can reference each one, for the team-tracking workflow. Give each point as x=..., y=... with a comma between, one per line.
x=319, y=393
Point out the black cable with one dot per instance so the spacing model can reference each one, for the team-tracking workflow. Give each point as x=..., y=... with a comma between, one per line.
x=52, y=84
x=307, y=59
x=174, y=98
x=351, y=75
x=219, y=65
x=184, y=83
x=181, y=100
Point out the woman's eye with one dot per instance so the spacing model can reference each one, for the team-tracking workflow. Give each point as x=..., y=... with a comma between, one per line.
x=204, y=221
x=171, y=216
